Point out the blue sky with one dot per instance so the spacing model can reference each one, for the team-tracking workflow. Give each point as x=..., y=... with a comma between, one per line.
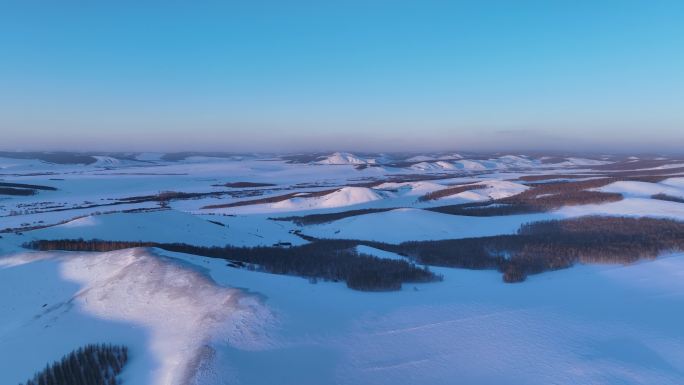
x=353, y=75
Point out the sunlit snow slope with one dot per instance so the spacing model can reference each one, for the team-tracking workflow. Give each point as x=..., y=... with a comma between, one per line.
x=169, y=313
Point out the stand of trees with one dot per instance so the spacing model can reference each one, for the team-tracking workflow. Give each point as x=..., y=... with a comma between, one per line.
x=540, y=197
x=272, y=199
x=28, y=186
x=90, y=365
x=325, y=259
x=314, y=219
x=537, y=247
x=16, y=191
x=543, y=197
x=669, y=198
x=550, y=245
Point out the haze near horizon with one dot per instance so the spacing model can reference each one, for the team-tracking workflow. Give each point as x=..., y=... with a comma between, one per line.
x=353, y=75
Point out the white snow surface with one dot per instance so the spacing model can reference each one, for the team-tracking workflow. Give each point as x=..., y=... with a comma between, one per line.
x=407, y=224
x=434, y=166
x=411, y=188
x=449, y=163
x=673, y=187
x=346, y=196
x=420, y=158
x=471, y=165
x=105, y=161
x=632, y=207
x=495, y=189
x=193, y=320
x=618, y=327
x=170, y=226
x=382, y=254
x=177, y=313
x=586, y=162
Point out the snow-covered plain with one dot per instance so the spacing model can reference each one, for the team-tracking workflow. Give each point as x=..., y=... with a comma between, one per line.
x=346, y=196
x=590, y=324
x=194, y=320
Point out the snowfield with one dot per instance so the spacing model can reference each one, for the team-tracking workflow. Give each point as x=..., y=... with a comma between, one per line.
x=474, y=328
x=171, y=226
x=175, y=310
x=494, y=189
x=192, y=320
x=636, y=207
x=401, y=225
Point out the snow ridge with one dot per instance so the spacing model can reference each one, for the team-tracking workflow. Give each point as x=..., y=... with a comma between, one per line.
x=184, y=310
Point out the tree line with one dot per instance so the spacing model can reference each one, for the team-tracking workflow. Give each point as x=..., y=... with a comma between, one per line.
x=541, y=197
x=536, y=247
x=549, y=245
x=273, y=199
x=28, y=186
x=97, y=364
x=669, y=198
x=314, y=219
x=449, y=191
x=547, y=196
x=17, y=191
x=325, y=259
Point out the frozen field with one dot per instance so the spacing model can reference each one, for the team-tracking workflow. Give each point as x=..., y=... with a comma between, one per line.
x=191, y=319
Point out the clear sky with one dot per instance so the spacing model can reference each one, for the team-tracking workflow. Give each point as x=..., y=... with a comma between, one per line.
x=353, y=75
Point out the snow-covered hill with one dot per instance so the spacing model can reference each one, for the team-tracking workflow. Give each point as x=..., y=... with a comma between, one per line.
x=433, y=166
x=672, y=187
x=346, y=196
x=168, y=313
x=106, y=161
x=344, y=158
